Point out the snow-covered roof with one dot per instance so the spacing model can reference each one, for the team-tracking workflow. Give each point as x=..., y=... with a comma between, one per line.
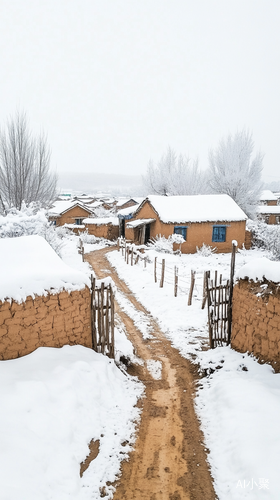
x=60, y=207
x=267, y=195
x=31, y=266
x=268, y=209
x=128, y=210
x=101, y=221
x=196, y=208
x=257, y=269
x=122, y=201
x=139, y=222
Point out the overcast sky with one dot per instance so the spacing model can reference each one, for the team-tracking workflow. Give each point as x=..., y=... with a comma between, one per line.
x=115, y=82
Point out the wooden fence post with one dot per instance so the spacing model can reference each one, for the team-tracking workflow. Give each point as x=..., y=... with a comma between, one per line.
x=112, y=324
x=204, y=292
x=155, y=270
x=175, y=281
x=232, y=268
x=93, y=314
x=162, y=273
x=131, y=261
x=191, y=287
x=145, y=262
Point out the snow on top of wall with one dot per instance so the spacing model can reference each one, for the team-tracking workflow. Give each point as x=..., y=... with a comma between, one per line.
x=30, y=266
x=267, y=195
x=260, y=268
x=101, y=221
x=197, y=208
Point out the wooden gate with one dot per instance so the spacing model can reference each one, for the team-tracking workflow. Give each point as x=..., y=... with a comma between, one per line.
x=219, y=298
x=102, y=318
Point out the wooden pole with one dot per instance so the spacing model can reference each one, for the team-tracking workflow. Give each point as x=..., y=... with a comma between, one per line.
x=118, y=244
x=175, y=281
x=162, y=273
x=112, y=324
x=93, y=314
x=131, y=256
x=191, y=287
x=102, y=332
x=232, y=269
x=145, y=262
x=210, y=311
x=155, y=270
x=204, y=296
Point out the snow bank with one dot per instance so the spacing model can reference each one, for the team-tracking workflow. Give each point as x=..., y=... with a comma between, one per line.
x=30, y=266
x=53, y=403
x=197, y=208
x=257, y=269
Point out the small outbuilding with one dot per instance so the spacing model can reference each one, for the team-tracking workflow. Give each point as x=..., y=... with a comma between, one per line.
x=214, y=220
x=102, y=227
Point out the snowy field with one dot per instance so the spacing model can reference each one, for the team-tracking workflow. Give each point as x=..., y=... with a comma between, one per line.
x=238, y=400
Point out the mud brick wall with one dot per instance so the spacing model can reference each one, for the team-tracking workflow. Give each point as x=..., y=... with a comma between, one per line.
x=51, y=321
x=256, y=320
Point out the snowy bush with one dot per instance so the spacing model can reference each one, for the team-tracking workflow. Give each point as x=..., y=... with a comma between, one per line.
x=161, y=244
x=266, y=237
x=30, y=221
x=205, y=250
x=165, y=245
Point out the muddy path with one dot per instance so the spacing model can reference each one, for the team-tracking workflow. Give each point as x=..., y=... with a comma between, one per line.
x=169, y=461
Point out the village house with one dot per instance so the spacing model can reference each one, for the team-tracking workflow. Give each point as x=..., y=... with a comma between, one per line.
x=214, y=220
x=70, y=213
x=268, y=211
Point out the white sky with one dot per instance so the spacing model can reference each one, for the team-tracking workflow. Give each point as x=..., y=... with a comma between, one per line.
x=114, y=82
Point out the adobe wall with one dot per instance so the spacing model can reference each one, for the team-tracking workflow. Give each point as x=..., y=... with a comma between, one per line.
x=107, y=231
x=256, y=320
x=51, y=321
x=70, y=216
x=197, y=233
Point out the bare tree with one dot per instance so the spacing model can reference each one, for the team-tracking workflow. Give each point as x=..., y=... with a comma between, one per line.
x=233, y=171
x=174, y=176
x=24, y=166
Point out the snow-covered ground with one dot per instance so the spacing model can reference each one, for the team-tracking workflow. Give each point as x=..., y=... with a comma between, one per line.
x=53, y=403
x=238, y=400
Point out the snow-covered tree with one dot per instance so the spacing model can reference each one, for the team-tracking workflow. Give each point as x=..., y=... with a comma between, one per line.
x=24, y=166
x=174, y=175
x=233, y=171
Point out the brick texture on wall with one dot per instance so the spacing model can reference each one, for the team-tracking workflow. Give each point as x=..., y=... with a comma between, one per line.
x=256, y=320
x=45, y=321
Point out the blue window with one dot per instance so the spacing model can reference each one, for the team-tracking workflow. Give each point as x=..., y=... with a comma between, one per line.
x=219, y=234
x=181, y=230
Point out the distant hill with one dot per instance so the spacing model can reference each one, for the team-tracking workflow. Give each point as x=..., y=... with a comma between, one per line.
x=114, y=184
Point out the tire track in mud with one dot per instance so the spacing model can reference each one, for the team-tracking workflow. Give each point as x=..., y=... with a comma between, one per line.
x=169, y=460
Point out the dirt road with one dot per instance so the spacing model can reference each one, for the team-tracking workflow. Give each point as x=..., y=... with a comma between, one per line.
x=169, y=459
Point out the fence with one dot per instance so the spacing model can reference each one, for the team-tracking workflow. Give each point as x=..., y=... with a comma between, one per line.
x=102, y=317
x=217, y=294
x=219, y=297
x=166, y=273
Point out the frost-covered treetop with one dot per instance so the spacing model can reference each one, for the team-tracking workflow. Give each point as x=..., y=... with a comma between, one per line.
x=30, y=266
x=261, y=268
x=197, y=208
